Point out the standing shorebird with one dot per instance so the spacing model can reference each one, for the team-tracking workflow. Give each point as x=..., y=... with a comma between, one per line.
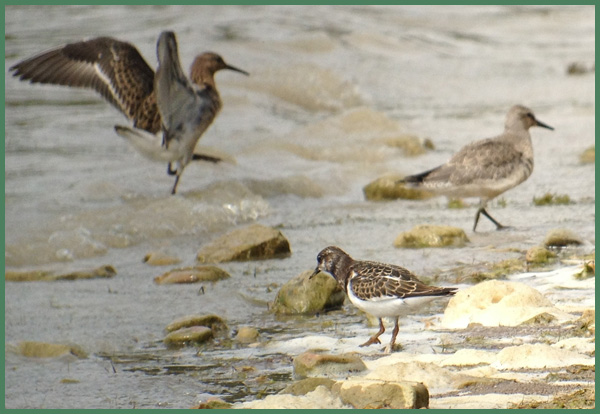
x=488, y=167
x=380, y=289
x=166, y=101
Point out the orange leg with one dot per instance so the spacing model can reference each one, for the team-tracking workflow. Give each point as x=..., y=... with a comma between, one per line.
x=375, y=338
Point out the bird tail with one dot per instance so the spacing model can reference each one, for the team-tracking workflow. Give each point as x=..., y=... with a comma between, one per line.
x=415, y=179
x=147, y=144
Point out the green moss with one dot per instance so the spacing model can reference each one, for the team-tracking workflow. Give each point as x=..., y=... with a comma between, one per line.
x=550, y=199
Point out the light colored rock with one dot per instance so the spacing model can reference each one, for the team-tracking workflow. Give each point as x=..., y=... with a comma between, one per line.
x=498, y=303
x=375, y=394
x=537, y=356
x=469, y=357
x=160, y=259
x=214, y=322
x=33, y=349
x=192, y=275
x=304, y=295
x=320, y=398
x=106, y=271
x=309, y=364
x=388, y=188
x=186, y=336
x=255, y=242
x=431, y=236
x=247, y=334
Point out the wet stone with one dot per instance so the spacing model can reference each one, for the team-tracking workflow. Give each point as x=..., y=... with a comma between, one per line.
x=388, y=188
x=302, y=295
x=561, y=238
x=309, y=364
x=49, y=276
x=255, y=242
x=160, y=259
x=187, y=336
x=33, y=349
x=431, y=236
x=247, y=334
x=306, y=385
x=192, y=275
x=375, y=394
x=213, y=322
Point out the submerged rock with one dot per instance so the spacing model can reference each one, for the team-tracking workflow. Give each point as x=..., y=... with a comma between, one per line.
x=255, y=242
x=432, y=236
x=192, y=275
x=214, y=322
x=33, y=349
x=309, y=364
x=588, y=156
x=303, y=295
x=247, y=335
x=49, y=276
x=306, y=385
x=361, y=393
x=539, y=255
x=187, y=336
x=388, y=188
x=160, y=259
x=499, y=303
x=561, y=238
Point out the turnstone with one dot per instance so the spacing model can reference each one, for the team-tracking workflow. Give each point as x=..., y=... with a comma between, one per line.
x=488, y=167
x=166, y=101
x=382, y=290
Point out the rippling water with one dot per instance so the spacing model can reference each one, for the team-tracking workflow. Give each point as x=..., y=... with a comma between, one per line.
x=329, y=86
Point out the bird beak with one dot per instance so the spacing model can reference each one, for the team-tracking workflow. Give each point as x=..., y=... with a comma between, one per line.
x=314, y=273
x=541, y=124
x=236, y=69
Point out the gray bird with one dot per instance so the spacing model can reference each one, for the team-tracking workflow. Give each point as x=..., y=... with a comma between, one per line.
x=486, y=168
x=116, y=70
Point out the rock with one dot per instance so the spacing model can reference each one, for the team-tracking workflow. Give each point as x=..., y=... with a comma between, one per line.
x=186, y=336
x=320, y=398
x=411, y=145
x=212, y=403
x=309, y=364
x=247, y=335
x=588, y=156
x=539, y=255
x=537, y=356
x=106, y=271
x=388, y=188
x=561, y=238
x=580, y=68
x=497, y=303
x=192, y=275
x=303, y=295
x=160, y=259
x=306, y=385
x=32, y=349
x=255, y=242
x=214, y=322
x=362, y=393
x=431, y=236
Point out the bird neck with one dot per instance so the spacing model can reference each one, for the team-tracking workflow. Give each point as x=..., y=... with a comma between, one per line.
x=203, y=77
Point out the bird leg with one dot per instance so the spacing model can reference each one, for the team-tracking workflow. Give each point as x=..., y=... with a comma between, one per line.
x=375, y=338
x=482, y=210
x=170, y=170
x=174, y=190
x=390, y=347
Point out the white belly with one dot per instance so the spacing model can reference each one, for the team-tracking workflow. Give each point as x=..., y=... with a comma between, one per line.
x=389, y=307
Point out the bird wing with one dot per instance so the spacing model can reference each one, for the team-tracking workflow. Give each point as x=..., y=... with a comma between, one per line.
x=186, y=109
x=371, y=279
x=113, y=68
x=489, y=159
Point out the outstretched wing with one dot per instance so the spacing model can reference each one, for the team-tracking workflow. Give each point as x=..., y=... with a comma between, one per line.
x=113, y=68
x=376, y=280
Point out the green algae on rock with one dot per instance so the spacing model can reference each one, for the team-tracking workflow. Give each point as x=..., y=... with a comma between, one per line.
x=388, y=188
x=303, y=295
x=310, y=364
x=106, y=271
x=431, y=236
x=192, y=275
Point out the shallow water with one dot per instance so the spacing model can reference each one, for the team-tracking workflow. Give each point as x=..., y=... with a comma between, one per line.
x=307, y=132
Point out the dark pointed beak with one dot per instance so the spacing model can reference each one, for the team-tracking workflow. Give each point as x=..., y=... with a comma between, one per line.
x=314, y=273
x=236, y=69
x=541, y=124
